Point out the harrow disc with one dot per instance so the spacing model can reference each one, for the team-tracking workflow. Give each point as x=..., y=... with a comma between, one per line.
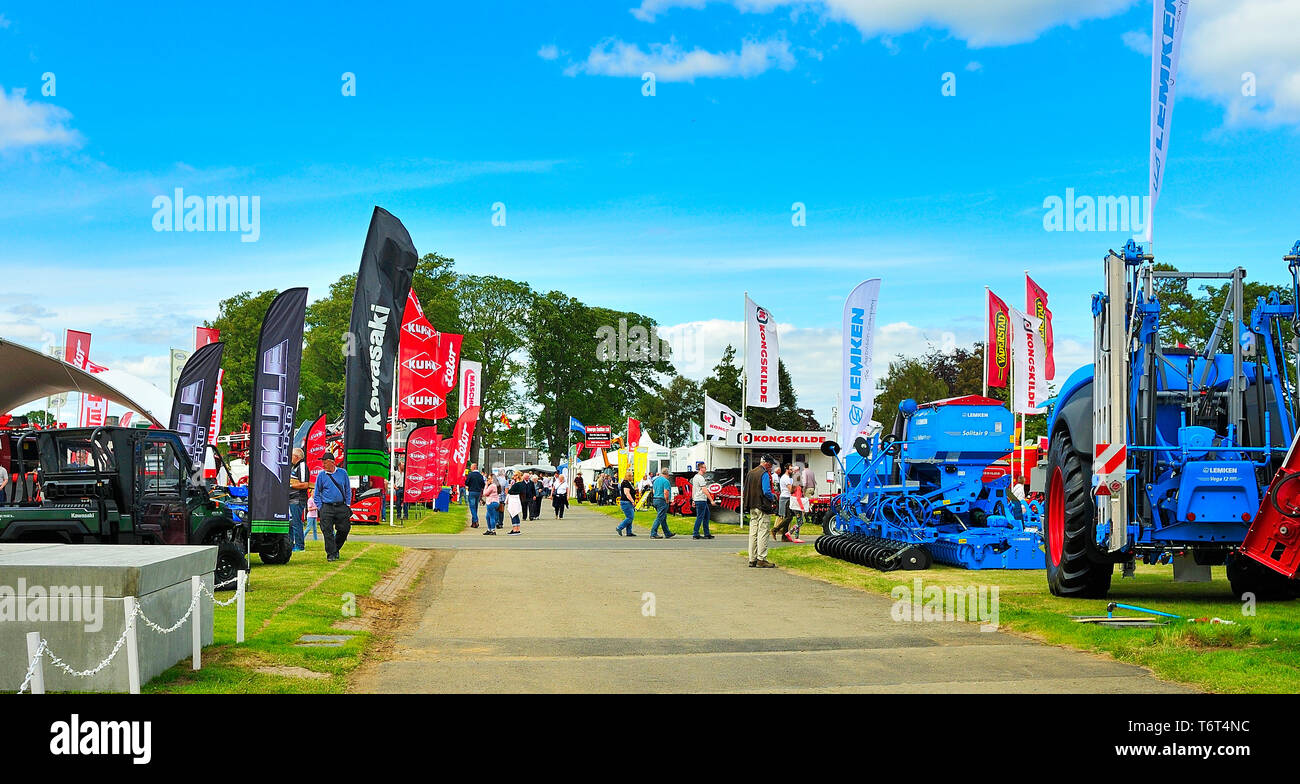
x=886, y=555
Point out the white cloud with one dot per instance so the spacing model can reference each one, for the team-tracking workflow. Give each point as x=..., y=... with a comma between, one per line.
x=671, y=63
x=1227, y=39
x=977, y=22
x=29, y=124
x=1138, y=40
x=549, y=52
x=974, y=65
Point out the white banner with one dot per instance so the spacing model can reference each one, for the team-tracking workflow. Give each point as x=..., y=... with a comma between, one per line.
x=762, y=357
x=777, y=439
x=1028, y=368
x=1166, y=42
x=471, y=384
x=857, y=385
x=719, y=420
x=179, y=357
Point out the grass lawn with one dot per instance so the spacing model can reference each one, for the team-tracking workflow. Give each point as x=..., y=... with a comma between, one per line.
x=1260, y=653
x=423, y=521
x=676, y=523
x=305, y=596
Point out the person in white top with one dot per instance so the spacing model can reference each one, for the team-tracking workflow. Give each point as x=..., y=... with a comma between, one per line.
x=559, y=495
x=4, y=485
x=786, y=481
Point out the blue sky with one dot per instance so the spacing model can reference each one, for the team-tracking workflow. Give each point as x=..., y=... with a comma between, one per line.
x=672, y=204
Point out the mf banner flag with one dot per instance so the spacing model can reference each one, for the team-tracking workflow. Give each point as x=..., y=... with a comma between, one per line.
x=461, y=437
x=417, y=366
x=761, y=357
x=719, y=420
x=448, y=363
x=421, y=465
x=387, y=263
x=314, y=447
x=1027, y=351
x=1166, y=43
x=857, y=386
x=471, y=384
x=997, y=350
x=274, y=404
x=195, y=395
x=1036, y=306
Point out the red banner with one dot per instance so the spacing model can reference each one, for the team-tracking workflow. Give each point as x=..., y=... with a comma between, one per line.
x=997, y=351
x=417, y=365
x=76, y=352
x=633, y=433
x=460, y=440
x=1036, y=306
x=314, y=447
x=205, y=335
x=421, y=465
x=449, y=363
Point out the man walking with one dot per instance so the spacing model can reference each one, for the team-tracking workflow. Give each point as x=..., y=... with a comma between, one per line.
x=474, y=484
x=298, y=486
x=662, y=495
x=332, y=493
x=760, y=501
x=703, y=498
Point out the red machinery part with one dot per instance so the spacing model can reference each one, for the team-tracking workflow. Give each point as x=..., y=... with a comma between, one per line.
x=1274, y=536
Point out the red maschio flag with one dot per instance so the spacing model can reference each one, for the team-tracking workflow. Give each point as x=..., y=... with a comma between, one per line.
x=633, y=433
x=460, y=440
x=448, y=367
x=314, y=447
x=422, y=484
x=1036, y=305
x=418, y=368
x=997, y=352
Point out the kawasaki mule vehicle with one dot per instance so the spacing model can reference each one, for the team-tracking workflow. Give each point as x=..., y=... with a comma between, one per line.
x=114, y=485
x=1160, y=453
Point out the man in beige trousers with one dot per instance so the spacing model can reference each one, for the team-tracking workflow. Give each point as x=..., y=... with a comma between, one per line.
x=758, y=497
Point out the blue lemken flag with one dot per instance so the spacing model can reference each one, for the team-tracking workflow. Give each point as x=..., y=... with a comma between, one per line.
x=574, y=424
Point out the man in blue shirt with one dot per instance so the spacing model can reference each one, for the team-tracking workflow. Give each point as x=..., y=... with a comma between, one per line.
x=474, y=483
x=333, y=492
x=661, y=493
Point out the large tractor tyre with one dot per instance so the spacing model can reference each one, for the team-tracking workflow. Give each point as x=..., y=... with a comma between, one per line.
x=275, y=549
x=1075, y=567
x=230, y=561
x=1248, y=576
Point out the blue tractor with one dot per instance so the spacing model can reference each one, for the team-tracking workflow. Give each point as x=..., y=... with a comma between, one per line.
x=1160, y=453
x=918, y=494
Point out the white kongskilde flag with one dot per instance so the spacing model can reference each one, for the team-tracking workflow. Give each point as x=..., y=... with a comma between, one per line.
x=762, y=357
x=1166, y=42
x=719, y=419
x=857, y=386
x=1028, y=359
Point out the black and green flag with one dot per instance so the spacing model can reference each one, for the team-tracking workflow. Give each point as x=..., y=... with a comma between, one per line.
x=275, y=402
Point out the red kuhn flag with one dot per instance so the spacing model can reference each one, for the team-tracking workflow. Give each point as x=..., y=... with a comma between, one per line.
x=449, y=364
x=997, y=352
x=314, y=447
x=460, y=441
x=418, y=369
x=422, y=464
x=1036, y=306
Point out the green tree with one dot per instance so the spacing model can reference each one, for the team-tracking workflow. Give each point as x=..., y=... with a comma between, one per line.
x=323, y=359
x=907, y=377
x=40, y=417
x=723, y=384
x=669, y=411
x=494, y=315
x=240, y=321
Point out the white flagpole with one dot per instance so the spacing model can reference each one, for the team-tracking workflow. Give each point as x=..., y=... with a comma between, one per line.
x=987, y=347
x=744, y=401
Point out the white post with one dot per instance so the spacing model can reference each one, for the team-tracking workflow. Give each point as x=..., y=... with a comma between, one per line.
x=744, y=399
x=196, y=633
x=987, y=346
x=240, y=581
x=132, y=646
x=34, y=662
x=392, y=450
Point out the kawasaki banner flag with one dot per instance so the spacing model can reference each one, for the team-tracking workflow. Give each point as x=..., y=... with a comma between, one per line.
x=460, y=440
x=761, y=357
x=421, y=465
x=997, y=351
x=1036, y=306
x=1166, y=40
x=196, y=387
x=857, y=384
x=387, y=263
x=274, y=403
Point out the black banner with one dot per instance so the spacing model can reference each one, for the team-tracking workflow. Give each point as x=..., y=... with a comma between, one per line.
x=275, y=401
x=383, y=281
x=196, y=391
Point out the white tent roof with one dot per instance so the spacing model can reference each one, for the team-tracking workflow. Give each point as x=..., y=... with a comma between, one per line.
x=26, y=375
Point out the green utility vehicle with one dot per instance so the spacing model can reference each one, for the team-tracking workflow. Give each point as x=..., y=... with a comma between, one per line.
x=114, y=485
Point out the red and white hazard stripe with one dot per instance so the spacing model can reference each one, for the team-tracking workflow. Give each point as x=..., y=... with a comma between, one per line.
x=1109, y=467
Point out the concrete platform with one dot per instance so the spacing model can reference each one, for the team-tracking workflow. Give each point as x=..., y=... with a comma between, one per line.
x=74, y=596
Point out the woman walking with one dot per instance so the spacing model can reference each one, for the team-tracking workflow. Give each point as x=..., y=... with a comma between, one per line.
x=627, y=502
x=515, y=502
x=560, y=496
x=492, y=500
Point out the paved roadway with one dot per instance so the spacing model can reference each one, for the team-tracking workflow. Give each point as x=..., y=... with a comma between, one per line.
x=566, y=608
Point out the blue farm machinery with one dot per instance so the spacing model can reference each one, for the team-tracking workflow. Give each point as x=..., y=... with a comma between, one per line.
x=1160, y=453
x=918, y=494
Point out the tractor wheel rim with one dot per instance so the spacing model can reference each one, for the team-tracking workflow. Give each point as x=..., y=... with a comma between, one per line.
x=1056, y=517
